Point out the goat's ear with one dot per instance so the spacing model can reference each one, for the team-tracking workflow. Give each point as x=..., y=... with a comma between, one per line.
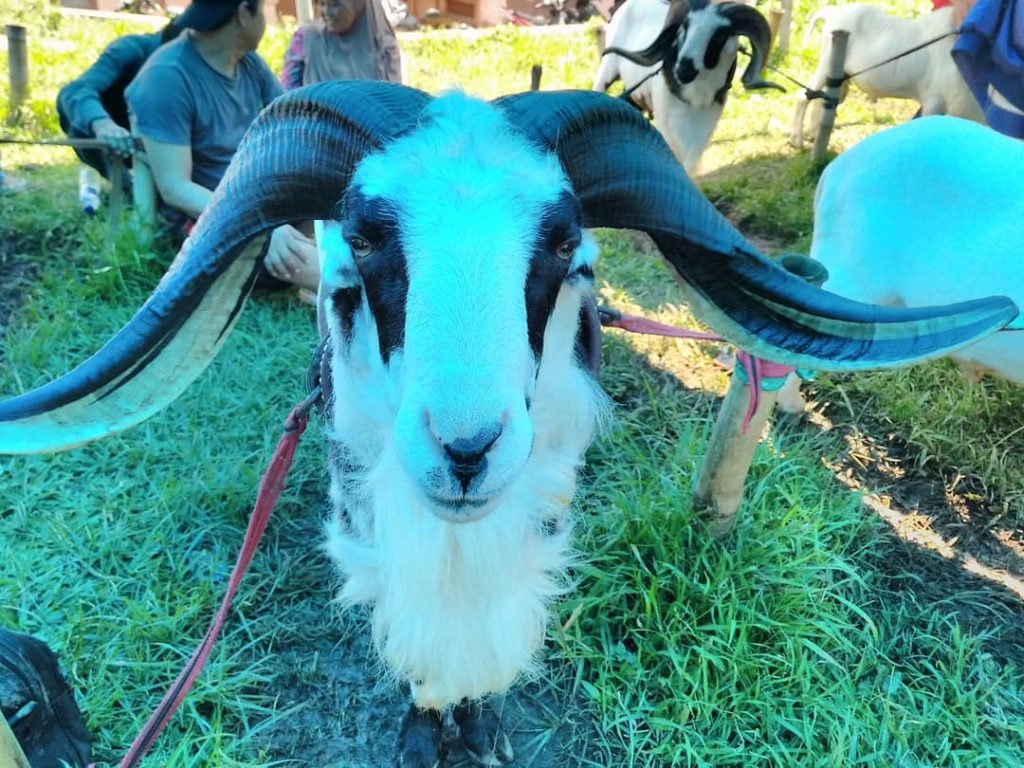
x=748, y=22
x=661, y=49
x=625, y=176
x=294, y=163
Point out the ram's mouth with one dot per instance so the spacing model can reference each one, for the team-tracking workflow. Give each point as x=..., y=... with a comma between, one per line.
x=460, y=509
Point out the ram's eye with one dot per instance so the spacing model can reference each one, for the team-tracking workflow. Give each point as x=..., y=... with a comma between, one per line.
x=360, y=246
x=566, y=250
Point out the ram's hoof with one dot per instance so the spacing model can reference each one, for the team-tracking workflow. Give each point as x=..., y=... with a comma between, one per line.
x=482, y=735
x=419, y=740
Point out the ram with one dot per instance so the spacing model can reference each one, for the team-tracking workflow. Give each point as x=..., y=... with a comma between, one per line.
x=677, y=62
x=457, y=293
x=927, y=74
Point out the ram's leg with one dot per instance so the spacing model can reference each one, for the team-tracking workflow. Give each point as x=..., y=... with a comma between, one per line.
x=419, y=740
x=482, y=734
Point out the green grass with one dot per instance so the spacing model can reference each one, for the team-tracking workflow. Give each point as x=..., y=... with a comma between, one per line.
x=793, y=642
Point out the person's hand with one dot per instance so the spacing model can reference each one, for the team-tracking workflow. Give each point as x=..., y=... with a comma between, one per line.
x=293, y=257
x=119, y=139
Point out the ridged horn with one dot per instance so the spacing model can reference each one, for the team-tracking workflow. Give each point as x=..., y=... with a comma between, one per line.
x=625, y=176
x=660, y=51
x=294, y=163
x=750, y=23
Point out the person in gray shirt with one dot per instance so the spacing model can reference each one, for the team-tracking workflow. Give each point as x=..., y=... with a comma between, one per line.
x=191, y=104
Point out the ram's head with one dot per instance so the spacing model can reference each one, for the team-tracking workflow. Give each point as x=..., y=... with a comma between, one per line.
x=457, y=274
x=701, y=38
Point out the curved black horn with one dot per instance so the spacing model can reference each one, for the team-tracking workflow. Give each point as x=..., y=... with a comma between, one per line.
x=661, y=50
x=294, y=163
x=751, y=23
x=625, y=176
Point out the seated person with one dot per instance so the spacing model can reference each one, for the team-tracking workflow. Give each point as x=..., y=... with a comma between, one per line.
x=990, y=55
x=352, y=40
x=192, y=103
x=93, y=107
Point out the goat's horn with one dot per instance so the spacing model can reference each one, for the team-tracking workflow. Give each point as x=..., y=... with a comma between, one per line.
x=750, y=23
x=661, y=49
x=625, y=176
x=294, y=163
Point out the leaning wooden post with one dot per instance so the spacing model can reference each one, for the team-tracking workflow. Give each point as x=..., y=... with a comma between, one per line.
x=730, y=450
x=11, y=753
x=833, y=84
x=535, y=74
x=17, y=70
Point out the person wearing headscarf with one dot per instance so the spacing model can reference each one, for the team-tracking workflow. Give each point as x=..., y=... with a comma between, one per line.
x=352, y=40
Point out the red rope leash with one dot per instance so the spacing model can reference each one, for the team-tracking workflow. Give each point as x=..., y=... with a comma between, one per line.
x=756, y=368
x=270, y=489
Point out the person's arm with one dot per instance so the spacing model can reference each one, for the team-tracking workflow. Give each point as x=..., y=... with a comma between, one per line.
x=171, y=166
x=80, y=99
x=294, y=61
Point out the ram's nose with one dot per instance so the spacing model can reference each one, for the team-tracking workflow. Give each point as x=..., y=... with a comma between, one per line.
x=467, y=457
x=686, y=72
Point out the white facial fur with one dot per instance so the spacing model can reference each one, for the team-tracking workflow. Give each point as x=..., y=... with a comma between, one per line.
x=692, y=44
x=469, y=204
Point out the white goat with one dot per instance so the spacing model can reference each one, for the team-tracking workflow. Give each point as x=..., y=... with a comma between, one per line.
x=694, y=45
x=927, y=213
x=457, y=295
x=929, y=76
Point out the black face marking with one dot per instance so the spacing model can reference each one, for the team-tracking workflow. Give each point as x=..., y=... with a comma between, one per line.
x=346, y=302
x=713, y=53
x=370, y=226
x=723, y=92
x=560, y=223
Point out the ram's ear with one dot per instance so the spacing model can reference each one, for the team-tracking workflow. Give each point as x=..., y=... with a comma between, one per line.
x=625, y=176
x=294, y=163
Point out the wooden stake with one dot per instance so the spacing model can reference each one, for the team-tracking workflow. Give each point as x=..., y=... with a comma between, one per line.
x=11, y=753
x=833, y=86
x=730, y=451
x=535, y=73
x=17, y=70
x=782, y=41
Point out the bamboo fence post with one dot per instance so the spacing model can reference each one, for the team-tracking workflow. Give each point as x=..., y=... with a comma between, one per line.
x=833, y=84
x=774, y=23
x=116, y=190
x=17, y=70
x=730, y=450
x=11, y=753
x=782, y=41
x=535, y=74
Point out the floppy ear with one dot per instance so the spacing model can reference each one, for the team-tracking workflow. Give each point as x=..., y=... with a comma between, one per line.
x=625, y=176
x=294, y=163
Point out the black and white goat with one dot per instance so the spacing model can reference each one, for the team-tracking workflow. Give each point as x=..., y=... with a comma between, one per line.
x=456, y=282
x=694, y=44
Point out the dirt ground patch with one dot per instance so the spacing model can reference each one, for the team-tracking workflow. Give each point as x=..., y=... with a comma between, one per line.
x=340, y=712
x=17, y=272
